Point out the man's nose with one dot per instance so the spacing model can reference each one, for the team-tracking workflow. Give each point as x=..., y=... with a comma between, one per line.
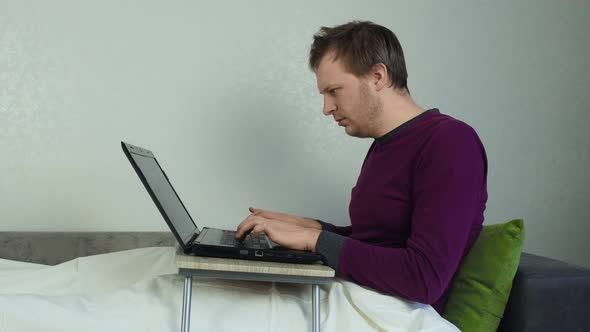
x=329, y=106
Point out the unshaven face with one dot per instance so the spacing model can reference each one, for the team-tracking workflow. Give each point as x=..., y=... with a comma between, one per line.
x=348, y=98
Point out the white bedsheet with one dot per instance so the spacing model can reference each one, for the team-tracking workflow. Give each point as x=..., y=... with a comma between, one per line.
x=139, y=290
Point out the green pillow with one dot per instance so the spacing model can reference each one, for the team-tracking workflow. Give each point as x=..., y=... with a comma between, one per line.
x=482, y=284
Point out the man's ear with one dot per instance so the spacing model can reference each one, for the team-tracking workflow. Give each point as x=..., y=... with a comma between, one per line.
x=379, y=76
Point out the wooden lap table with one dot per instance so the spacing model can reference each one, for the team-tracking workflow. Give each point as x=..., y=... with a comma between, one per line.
x=223, y=268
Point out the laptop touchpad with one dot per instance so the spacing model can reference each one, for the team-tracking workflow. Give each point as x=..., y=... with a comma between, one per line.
x=213, y=236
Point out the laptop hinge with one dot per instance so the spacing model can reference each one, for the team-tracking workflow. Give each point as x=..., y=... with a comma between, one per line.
x=190, y=242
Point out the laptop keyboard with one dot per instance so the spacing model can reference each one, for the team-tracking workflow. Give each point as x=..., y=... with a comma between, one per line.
x=229, y=238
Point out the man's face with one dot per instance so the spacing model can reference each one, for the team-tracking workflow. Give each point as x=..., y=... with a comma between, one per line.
x=348, y=98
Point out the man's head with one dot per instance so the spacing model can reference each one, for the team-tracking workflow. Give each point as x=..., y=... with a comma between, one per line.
x=356, y=64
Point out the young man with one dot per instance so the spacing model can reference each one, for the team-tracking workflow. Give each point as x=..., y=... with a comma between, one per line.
x=418, y=203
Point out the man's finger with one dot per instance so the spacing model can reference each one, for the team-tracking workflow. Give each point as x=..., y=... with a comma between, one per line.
x=242, y=232
x=256, y=211
x=244, y=226
x=259, y=228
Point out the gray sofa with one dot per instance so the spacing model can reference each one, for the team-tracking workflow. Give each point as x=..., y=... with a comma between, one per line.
x=547, y=295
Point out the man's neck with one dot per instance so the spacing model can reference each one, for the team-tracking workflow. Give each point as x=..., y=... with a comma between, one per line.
x=396, y=111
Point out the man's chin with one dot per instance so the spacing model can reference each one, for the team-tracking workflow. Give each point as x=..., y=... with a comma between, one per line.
x=354, y=133
x=351, y=132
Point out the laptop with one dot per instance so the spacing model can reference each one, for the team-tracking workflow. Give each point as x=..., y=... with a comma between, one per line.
x=210, y=242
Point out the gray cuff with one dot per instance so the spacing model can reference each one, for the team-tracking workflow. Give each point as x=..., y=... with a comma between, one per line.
x=330, y=245
x=327, y=226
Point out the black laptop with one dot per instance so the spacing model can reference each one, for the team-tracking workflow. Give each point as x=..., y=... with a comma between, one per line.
x=210, y=242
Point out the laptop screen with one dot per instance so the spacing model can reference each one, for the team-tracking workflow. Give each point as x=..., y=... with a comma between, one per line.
x=170, y=204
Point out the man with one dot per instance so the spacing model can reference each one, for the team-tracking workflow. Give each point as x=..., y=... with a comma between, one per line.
x=418, y=203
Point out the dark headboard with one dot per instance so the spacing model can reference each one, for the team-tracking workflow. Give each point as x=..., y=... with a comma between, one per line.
x=57, y=247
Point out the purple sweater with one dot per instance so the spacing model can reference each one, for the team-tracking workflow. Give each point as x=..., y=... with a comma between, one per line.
x=415, y=211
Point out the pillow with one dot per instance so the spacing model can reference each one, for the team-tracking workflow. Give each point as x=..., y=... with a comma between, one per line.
x=481, y=287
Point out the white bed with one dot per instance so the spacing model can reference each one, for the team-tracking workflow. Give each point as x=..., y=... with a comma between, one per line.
x=139, y=290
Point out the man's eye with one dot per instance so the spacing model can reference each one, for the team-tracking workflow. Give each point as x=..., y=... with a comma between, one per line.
x=332, y=91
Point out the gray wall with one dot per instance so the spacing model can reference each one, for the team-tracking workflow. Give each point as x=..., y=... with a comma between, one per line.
x=221, y=92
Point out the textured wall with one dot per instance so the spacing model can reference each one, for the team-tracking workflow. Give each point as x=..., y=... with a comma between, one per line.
x=221, y=92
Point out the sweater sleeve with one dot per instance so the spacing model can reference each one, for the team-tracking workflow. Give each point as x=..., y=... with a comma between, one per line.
x=448, y=185
x=340, y=230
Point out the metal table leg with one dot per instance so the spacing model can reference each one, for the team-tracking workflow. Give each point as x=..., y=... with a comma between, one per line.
x=315, y=300
x=186, y=303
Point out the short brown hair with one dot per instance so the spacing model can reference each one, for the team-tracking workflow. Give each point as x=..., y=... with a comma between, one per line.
x=361, y=45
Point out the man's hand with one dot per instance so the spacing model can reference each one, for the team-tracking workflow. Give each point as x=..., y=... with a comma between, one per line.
x=296, y=220
x=287, y=234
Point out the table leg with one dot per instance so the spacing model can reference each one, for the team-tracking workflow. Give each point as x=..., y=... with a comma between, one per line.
x=186, y=303
x=315, y=300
